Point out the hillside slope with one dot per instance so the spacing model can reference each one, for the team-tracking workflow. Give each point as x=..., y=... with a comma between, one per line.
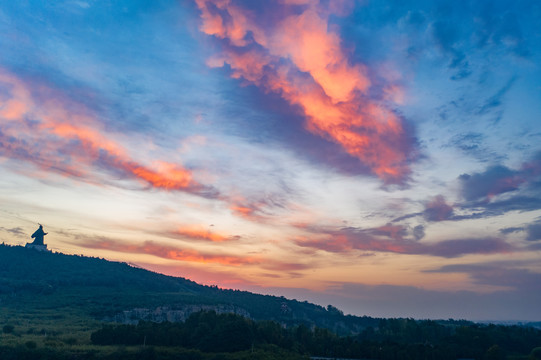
x=119, y=292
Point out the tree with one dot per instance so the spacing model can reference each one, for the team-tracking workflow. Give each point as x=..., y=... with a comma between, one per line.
x=494, y=353
x=8, y=329
x=536, y=354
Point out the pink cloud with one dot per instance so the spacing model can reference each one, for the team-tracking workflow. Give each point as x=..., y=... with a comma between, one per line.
x=194, y=256
x=40, y=126
x=300, y=59
x=198, y=232
x=169, y=252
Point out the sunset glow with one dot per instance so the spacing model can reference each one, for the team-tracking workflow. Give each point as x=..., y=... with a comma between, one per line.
x=339, y=152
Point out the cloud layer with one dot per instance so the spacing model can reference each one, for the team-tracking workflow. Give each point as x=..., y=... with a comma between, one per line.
x=41, y=126
x=304, y=62
x=396, y=239
x=284, y=144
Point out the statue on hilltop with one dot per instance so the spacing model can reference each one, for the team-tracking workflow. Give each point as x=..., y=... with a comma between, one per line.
x=38, y=236
x=38, y=242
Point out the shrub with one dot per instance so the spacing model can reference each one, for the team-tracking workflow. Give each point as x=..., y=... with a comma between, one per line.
x=8, y=329
x=31, y=344
x=70, y=341
x=536, y=353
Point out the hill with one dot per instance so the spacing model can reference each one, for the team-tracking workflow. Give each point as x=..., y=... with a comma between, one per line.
x=106, y=290
x=57, y=306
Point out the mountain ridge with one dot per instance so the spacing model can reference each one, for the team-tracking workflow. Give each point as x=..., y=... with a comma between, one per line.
x=116, y=291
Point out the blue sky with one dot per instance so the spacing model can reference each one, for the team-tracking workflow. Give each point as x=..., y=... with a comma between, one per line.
x=382, y=156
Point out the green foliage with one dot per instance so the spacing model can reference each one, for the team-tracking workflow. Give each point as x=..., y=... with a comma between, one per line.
x=206, y=331
x=536, y=353
x=392, y=339
x=70, y=341
x=31, y=344
x=8, y=329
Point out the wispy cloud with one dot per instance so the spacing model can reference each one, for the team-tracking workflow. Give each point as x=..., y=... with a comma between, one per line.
x=305, y=63
x=219, y=256
x=17, y=231
x=397, y=239
x=41, y=126
x=504, y=274
x=200, y=233
x=534, y=231
x=168, y=252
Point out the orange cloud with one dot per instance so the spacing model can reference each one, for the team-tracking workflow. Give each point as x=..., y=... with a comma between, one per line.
x=243, y=211
x=200, y=233
x=254, y=210
x=305, y=40
x=304, y=62
x=58, y=135
x=168, y=252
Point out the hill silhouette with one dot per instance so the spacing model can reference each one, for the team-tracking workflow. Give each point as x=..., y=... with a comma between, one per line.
x=57, y=306
x=107, y=290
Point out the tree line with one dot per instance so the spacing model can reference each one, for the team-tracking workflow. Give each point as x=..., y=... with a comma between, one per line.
x=396, y=339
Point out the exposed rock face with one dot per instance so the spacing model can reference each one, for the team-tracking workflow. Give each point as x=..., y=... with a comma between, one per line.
x=37, y=247
x=178, y=314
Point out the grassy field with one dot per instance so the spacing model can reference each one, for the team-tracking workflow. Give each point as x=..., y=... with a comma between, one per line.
x=65, y=333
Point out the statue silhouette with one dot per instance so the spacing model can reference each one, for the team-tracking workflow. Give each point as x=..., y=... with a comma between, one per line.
x=38, y=236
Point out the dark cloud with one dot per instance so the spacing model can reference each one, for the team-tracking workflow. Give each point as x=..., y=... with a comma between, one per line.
x=407, y=216
x=17, y=231
x=437, y=209
x=493, y=181
x=396, y=239
x=534, y=231
x=511, y=230
x=473, y=144
x=419, y=232
x=468, y=142
x=495, y=101
x=532, y=168
x=522, y=189
x=515, y=203
x=495, y=191
x=459, y=247
x=446, y=35
x=284, y=126
x=497, y=274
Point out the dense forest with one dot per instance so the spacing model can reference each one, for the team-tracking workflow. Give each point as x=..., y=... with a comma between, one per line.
x=56, y=306
x=392, y=339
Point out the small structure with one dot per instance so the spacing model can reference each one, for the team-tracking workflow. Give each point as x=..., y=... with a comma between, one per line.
x=38, y=243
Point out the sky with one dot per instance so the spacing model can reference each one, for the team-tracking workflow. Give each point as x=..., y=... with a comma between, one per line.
x=380, y=156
